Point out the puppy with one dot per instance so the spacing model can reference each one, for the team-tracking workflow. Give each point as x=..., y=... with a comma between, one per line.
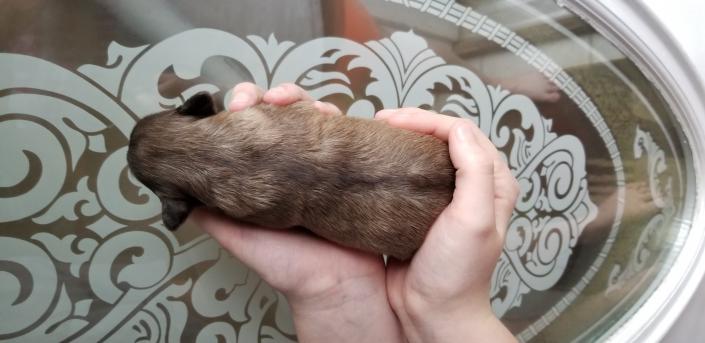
x=357, y=182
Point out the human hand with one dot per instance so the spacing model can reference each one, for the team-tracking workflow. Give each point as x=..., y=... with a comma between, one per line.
x=639, y=204
x=247, y=94
x=333, y=291
x=442, y=294
x=534, y=85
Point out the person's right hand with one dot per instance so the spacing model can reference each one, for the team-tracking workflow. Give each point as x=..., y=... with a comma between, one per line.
x=442, y=294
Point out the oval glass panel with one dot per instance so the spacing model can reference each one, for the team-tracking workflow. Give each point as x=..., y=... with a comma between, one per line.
x=602, y=163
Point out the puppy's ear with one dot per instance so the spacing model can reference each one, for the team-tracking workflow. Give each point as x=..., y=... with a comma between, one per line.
x=174, y=212
x=199, y=105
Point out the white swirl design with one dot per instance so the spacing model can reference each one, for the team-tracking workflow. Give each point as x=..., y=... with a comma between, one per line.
x=133, y=271
x=661, y=191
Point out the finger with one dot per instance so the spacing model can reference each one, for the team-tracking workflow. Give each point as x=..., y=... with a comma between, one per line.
x=505, y=190
x=246, y=242
x=386, y=113
x=506, y=186
x=222, y=229
x=422, y=121
x=644, y=193
x=602, y=190
x=285, y=94
x=396, y=273
x=551, y=86
x=506, y=194
x=643, y=188
x=245, y=94
x=472, y=209
x=551, y=92
x=327, y=108
x=553, y=96
x=439, y=125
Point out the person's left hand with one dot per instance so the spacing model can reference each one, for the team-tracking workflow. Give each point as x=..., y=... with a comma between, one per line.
x=336, y=293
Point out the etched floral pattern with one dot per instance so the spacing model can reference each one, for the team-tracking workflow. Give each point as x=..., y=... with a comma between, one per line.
x=661, y=191
x=135, y=268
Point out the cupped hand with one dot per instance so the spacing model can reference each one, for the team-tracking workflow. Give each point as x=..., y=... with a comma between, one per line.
x=302, y=266
x=443, y=293
x=332, y=290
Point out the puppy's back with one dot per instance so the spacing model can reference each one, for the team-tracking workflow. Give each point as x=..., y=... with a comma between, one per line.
x=357, y=182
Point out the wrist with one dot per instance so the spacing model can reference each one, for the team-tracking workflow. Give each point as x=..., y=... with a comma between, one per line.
x=353, y=310
x=463, y=321
x=331, y=294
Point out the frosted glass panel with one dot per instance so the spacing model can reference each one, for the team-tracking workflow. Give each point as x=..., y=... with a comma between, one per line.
x=603, y=167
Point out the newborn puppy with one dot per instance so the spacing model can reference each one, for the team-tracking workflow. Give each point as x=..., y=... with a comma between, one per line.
x=357, y=182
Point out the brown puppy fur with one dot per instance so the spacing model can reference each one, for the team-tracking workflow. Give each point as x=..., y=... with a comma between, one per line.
x=357, y=182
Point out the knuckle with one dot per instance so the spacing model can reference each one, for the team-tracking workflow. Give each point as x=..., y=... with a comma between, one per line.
x=419, y=297
x=467, y=122
x=483, y=232
x=291, y=88
x=480, y=226
x=480, y=161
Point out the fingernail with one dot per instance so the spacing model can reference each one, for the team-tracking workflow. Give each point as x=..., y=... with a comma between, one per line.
x=320, y=106
x=276, y=91
x=465, y=134
x=240, y=98
x=383, y=114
